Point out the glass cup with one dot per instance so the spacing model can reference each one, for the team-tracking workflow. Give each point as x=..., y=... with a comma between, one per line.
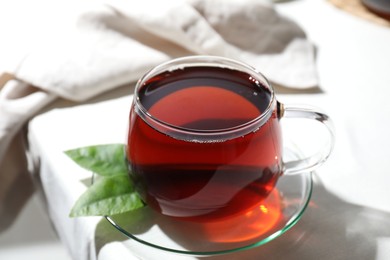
x=205, y=140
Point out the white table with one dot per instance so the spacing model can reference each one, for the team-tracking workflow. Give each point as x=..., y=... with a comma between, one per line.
x=349, y=214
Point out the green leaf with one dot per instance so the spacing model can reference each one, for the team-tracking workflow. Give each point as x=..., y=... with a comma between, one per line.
x=108, y=196
x=105, y=160
x=113, y=193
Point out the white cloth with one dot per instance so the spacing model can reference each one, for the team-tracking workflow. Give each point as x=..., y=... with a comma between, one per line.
x=91, y=46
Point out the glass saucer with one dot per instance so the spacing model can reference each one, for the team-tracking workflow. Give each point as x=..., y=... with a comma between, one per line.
x=270, y=219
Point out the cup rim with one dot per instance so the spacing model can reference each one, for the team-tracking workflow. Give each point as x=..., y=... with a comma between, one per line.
x=210, y=61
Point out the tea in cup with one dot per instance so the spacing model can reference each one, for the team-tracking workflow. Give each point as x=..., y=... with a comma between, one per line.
x=205, y=141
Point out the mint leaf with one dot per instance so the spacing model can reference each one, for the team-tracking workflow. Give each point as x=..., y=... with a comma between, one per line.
x=113, y=193
x=108, y=196
x=105, y=160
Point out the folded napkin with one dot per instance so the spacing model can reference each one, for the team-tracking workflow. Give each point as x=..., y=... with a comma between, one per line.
x=79, y=49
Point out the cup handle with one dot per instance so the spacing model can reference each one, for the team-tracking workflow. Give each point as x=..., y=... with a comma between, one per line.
x=314, y=161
